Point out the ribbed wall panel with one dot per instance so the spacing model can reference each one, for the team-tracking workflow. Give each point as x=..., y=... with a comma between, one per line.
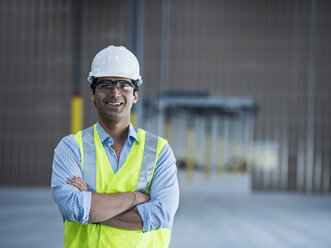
x=258, y=49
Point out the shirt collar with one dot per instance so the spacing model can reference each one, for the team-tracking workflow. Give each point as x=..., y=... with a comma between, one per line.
x=104, y=135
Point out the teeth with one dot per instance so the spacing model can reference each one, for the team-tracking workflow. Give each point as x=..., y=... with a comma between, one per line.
x=114, y=103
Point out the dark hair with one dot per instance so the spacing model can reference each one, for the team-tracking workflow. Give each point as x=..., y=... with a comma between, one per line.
x=136, y=87
x=94, y=83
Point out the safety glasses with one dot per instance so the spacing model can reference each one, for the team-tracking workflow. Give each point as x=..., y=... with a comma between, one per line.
x=107, y=85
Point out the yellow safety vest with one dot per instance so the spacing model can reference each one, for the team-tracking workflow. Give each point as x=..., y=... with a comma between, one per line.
x=135, y=175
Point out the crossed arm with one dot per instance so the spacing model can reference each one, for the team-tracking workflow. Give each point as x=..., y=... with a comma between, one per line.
x=116, y=210
x=77, y=204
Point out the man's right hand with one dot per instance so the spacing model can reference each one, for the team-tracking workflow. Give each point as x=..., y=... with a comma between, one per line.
x=78, y=182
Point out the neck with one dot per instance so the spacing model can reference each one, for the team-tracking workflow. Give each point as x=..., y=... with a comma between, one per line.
x=117, y=130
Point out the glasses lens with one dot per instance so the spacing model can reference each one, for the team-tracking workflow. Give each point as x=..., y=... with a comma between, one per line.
x=104, y=85
x=125, y=86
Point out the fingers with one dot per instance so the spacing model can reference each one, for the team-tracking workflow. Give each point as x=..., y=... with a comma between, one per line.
x=147, y=197
x=79, y=183
x=142, y=198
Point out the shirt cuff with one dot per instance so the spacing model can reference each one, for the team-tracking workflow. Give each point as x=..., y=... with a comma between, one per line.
x=143, y=209
x=85, y=210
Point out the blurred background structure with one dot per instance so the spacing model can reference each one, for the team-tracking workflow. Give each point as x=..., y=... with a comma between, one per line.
x=241, y=89
x=235, y=86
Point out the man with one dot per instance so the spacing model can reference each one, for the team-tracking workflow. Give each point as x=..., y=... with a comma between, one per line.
x=115, y=185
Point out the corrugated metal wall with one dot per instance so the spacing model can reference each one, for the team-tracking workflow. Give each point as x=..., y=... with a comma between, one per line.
x=35, y=75
x=36, y=78
x=276, y=52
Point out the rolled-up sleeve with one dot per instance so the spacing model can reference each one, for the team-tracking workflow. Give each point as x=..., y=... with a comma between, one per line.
x=73, y=204
x=164, y=193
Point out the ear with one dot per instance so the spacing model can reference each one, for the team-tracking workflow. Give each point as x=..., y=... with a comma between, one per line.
x=135, y=97
x=92, y=95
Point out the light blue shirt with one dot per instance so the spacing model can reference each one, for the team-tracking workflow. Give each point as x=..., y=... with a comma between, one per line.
x=75, y=205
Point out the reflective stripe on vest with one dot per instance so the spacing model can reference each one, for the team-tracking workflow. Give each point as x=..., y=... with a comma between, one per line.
x=147, y=165
x=89, y=171
x=90, y=168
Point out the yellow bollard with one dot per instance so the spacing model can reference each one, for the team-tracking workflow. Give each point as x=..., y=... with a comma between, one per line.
x=76, y=122
x=220, y=156
x=207, y=165
x=189, y=154
x=133, y=118
x=167, y=131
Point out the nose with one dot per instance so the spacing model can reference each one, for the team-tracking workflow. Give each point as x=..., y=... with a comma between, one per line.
x=114, y=91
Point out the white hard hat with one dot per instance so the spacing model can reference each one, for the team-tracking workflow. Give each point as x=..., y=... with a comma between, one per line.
x=115, y=61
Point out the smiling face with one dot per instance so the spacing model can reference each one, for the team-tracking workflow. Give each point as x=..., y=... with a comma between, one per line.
x=113, y=105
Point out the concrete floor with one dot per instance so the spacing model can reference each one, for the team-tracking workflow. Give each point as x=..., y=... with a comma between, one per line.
x=212, y=213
